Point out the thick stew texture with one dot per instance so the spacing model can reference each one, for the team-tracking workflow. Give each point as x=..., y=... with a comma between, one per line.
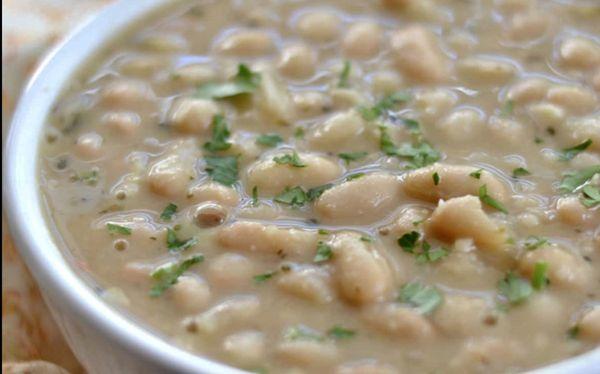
x=349, y=187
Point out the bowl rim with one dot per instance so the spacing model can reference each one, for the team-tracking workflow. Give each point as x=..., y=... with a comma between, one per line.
x=31, y=229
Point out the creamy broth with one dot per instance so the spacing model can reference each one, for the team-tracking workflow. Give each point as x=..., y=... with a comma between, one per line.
x=349, y=187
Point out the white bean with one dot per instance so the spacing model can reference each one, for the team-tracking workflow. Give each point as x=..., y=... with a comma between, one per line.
x=575, y=99
x=485, y=70
x=89, y=145
x=399, y=321
x=247, y=43
x=589, y=325
x=319, y=26
x=236, y=311
x=246, y=348
x=191, y=115
x=450, y=316
x=297, y=61
x=169, y=177
x=579, y=53
x=191, y=294
x=344, y=131
x=362, y=40
x=124, y=123
x=216, y=192
x=307, y=352
x=308, y=282
x=230, y=270
x=126, y=94
x=461, y=126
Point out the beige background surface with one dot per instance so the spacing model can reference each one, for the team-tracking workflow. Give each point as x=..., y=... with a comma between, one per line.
x=30, y=339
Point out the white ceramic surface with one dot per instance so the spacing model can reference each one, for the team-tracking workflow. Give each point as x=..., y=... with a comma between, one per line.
x=102, y=339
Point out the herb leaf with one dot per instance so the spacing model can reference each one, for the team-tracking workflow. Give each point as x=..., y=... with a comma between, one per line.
x=570, y=153
x=573, y=180
x=520, y=172
x=168, y=212
x=290, y=159
x=177, y=245
x=488, y=200
x=168, y=276
x=324, y=252
x=591, y=196
x=301, y=332
x=424, y=298
x=255, y=196
x=260, y=278
x=295, y=197
x=436, y=178
x=89, y=177
x=408, y=241
x=419, y=155
x=534, y=242
x=352, y=156
x=476, y=174
x=244, y=82
x=345, y=75
x=118, y=229
x=338, y=333
x=269, y=140
x=220, y=134
x=515, y=289
x=383, y=105
x=314, y=193
x=539, y=279
x=223, y=170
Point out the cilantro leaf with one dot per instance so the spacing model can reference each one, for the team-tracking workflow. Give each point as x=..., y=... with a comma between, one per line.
x=223, y=170
x=476, y=174
x=408, y=241
x=220, y=134
x=490, y=201
x=424, y=298
x=314, y=193
x=539, y=279
x=118, y=229
x=89, y=177
x=430, y=255
x=168, y=212
x=352, y=156
x=269, y=140
x=338, y=333
x=354, y=176
x=570, y=153
x=383, y=105
x=290, y=159
x=176, y=245
x=507, y=109
x=244, y=82
x=534, y=242
x=324, y=252
x=591, y=196
x=514, y=289
x=255, y=196
x=260, y=278
x=436, y=178
x=520, y=172
x=345, y=75
x=301, y=332
x=295, y=197
x=573, y=180
x=167, y=276
x=419, y=155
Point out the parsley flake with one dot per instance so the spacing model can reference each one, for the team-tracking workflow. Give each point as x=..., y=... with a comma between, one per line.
x=354, y=176
x=223, y=170
x=290, y=159
x=168, y=276
x=539, y=279
x=408, y=241
x=418, y=155
x=260, y=278
x=424, y=298
x=574, y=180
x=269, y=140
x=345, y=75
x=168, y=212
x=339, y=333
x=476, y=174
x=352, y=156
x=301, y=332
x=175, y=245
x=220, y=134
x=490, y=201
x=314, y=193
x=534, y=242
x=295, y=197
x=383, y=105
x=324, y=253
x=570, y=153
x=118, y=229
x=591, y=196
x=514, y=289
x=520, y=172
x=255, y=196
x=436, y=178
x=244, y=82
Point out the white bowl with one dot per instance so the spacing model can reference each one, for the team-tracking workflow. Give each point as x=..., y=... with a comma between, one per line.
x=104, y=340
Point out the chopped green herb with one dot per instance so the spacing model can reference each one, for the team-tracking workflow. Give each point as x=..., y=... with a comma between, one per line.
x=488, y=200
x=476, y=174
x=118, y=229
x=324, y=252
x=520, y=172
x=408, y=241
x=383, y=105
x=573, y=332
x=591, y=196
x=539, y=279
x=352, y=156
x=412, y=125
x=338, y=333
x=573, y=180
x=534, y=242
x=176, y=245
x=295, y=197
x=386, y=144
x=354, y=176
x=514, y=289
x=260, y=278
x=419, y=155
x=345, y=75
x=168, y=212
x=301, y=332
x=424, y=298
x=367, y=239
x=90, y=178
x=220, y=134
x=323, y=232
x=290, y=159
x=430, y=255
x=508, y=108
x=244, y=82
x=167, y=276
x=269, y=140
x=255, y=196
x=299, y=133
x=538, y=140
x=223, y=170
x=570, y=153
x=314, y=193
x=436, y=178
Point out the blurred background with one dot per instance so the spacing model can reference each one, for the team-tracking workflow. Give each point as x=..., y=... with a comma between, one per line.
x=31, y=343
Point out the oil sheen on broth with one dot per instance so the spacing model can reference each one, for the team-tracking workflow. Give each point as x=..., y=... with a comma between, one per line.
x=350, y=187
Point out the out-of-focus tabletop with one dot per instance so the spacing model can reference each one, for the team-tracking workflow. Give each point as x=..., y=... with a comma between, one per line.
x=31, y=342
